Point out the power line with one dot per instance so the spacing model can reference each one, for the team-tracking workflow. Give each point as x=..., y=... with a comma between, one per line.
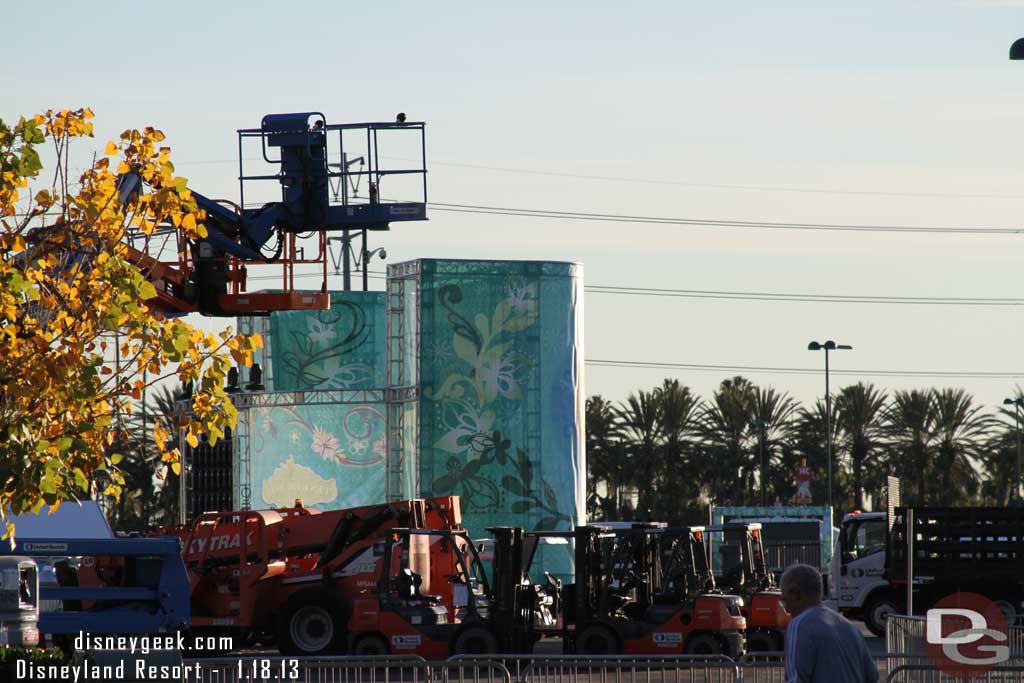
x=676, y=183
x=803, y=371
x=812, y=298
x=756, y=296
x=714, y=222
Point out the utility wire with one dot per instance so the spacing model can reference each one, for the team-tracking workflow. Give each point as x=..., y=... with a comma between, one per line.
x=751, y=296
x=714, y=222
x=802, y=371
x=812, y=298
x=666, y=181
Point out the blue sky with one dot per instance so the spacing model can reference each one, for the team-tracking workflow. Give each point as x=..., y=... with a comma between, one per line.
x=894, y=113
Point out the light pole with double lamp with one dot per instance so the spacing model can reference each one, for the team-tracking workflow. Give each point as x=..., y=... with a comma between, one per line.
x=1016, y=403
x=826, y=347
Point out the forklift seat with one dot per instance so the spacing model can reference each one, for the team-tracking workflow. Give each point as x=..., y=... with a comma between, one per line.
x=407, y=585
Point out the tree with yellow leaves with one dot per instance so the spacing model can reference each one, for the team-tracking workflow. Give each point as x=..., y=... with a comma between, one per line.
x=70, y=298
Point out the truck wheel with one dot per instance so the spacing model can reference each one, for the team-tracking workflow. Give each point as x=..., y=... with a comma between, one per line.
x=370, y=646
x=596, y=639
x=877, y=611
x=1008, y=610
x=311, y=623
x=761, y=640
x=475, y=640
x=704, y=644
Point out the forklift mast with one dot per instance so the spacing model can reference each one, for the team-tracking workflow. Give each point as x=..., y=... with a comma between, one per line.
x=685, y=559
x=746, y=537
x=588, y=591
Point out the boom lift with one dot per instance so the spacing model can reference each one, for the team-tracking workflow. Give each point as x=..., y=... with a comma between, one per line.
x=315, y=173
x=147, y=594
x=289, y=574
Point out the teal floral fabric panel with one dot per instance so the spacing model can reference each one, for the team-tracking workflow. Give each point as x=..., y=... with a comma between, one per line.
x=343, y=347
x=500, y=421
x=330, y=456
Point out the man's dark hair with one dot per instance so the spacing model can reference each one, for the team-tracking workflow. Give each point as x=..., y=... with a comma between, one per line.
x=805, y=578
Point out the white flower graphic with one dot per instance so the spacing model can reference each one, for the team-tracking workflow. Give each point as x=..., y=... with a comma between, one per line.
x=320, y=333
x=326, y=444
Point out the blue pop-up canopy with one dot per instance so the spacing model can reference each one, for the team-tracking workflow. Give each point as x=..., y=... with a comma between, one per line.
x=70, y=521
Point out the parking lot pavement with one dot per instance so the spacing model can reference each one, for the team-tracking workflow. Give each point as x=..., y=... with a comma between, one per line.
x=876, y=645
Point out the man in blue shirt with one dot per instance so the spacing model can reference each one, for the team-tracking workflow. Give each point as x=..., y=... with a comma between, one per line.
x=821, y=645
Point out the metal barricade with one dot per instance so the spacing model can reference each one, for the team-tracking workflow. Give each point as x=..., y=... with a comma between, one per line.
x=477, y=669
x=930, y=673
x=904, y=635
x=631, y=669
x=247, y=668
x=762, y=667
x=769, y=667
x=516, y=665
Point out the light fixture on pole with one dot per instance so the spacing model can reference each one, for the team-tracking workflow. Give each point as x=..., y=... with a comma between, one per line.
x=826, y=347
x=1017, y=403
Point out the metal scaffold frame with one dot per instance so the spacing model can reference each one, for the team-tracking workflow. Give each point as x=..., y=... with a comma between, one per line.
x=403, y=372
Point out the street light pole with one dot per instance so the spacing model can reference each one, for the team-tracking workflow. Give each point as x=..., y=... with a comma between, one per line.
x=761, y=426
x=828, y=426
x=828, y=346
x=1016, y=420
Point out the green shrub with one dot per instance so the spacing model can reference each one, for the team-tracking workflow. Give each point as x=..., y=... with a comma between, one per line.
x=10, y=655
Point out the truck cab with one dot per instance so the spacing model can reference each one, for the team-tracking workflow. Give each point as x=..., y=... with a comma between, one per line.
x=860, y=588
x=19, y=602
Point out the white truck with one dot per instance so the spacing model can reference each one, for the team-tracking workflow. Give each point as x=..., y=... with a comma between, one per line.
x=979, y=550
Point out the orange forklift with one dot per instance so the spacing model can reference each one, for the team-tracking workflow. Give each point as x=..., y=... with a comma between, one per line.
x=403, y=614
x=745, y=573
x=622, y=604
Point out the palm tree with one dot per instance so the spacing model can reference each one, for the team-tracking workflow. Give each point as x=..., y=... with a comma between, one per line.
x=605, y=458
x=679, y=416
x=725, y=428
x=999, y=466
x=858, y=415
x=772, y=415
x=909, y=430
x=639, y=421
x=809, y=442
x=150, y=495
x=961, y=431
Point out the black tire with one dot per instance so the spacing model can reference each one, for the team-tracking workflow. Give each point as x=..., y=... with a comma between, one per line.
x=475, y=640
x=370, y=646
x=311, y=623
x=876, y=611
x=597, y=639
x=1009, y=611
x=761, y=640
x=704, y=644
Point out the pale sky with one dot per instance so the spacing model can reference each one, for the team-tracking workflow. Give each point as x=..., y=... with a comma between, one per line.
x=877, y=113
